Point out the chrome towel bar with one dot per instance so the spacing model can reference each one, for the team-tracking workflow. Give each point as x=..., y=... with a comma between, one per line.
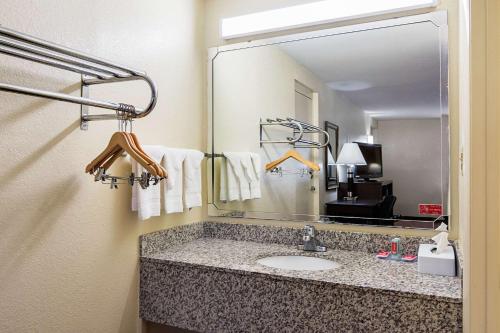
x=94, y=70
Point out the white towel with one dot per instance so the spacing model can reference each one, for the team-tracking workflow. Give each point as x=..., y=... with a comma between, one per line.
x=172, y=161
x=256, y=162
x=232, y=184
x=255, y=185
x=238, y=185
x=192, y=178
x=248, y=170
x=223, y=191
x=146, y=202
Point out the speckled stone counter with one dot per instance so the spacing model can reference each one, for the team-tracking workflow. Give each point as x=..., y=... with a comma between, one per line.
x=214, y=284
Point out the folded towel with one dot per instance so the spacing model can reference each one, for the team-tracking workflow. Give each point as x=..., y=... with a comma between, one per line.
x=248, y=170
x=255, y=184
x=238, y=185
x=192, y=178
x=223, y=191
x=172, y=161
x=256, y=162
x=147, y=201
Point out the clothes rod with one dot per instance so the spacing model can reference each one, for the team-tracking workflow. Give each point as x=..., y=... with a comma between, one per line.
x=94, y=70
x=51, y=62
x=65, y=50
x=64, y=98
x=6, y=42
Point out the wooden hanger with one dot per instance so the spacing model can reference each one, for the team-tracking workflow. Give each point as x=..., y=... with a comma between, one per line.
x=135, y=140
x=119, y=142
x=132, y=138
x=137, y=146
x=296, y=156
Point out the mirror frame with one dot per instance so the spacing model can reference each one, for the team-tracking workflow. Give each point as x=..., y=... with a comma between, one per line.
x=438, y=18
x=331, y=183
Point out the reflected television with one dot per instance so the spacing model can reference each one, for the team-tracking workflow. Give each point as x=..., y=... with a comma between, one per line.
x=373, y=157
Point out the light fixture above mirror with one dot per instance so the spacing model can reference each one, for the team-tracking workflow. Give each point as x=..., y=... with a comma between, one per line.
x=315, y=13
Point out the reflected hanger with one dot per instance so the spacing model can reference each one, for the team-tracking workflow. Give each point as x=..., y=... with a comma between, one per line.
x=296, y=156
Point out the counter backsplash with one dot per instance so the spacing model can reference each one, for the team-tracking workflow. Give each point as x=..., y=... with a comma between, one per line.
x=333, y=239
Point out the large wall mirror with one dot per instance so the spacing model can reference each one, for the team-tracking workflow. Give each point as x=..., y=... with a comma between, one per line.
x=346, y=125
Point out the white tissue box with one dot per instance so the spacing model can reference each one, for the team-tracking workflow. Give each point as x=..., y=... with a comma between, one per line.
x=432, y=263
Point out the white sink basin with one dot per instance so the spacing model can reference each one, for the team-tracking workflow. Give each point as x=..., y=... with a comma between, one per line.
x=298, y=263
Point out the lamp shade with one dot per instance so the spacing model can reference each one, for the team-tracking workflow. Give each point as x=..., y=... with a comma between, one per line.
x=330, y=160
x=351, y=155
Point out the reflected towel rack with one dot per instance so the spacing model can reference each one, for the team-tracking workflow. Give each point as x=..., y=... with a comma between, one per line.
x=213, y=155
x=93, y=70
x=299, y=129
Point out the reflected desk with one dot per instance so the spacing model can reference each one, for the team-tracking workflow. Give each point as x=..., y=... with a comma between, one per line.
x=358, y=208
x=371, y=190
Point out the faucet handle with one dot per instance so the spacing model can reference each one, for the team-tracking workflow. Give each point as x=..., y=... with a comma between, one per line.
x=309, y=231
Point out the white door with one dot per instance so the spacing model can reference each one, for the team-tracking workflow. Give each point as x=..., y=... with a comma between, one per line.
x=307, y=191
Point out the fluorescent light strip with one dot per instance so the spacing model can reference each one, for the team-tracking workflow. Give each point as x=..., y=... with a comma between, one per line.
x=314, y=13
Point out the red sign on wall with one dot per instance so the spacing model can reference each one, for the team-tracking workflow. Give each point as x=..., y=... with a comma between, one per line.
x=430, y=209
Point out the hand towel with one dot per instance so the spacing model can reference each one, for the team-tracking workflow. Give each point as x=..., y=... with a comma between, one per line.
x=256, y=163
x=238, y=185
x=246, y=164
x=256, y=167
x=172, y=196
x=248, y=171
x=223, y=190
x=146, y=202
x=192, y=178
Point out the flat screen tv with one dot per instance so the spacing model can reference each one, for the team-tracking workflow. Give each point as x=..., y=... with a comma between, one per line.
x=373, y=157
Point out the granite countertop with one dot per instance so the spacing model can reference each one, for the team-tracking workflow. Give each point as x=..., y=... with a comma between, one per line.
x=357, y=269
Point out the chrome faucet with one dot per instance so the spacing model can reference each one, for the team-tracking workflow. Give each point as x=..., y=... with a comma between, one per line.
x=311, y=243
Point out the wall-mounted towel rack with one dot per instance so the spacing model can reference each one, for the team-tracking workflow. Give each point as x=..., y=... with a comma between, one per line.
x=93, y=70
x=300, y=128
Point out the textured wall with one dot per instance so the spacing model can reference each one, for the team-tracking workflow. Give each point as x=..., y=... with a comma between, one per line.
x=244, y=94
x=68, y=246
x=411, y=153
x=482, y=194
x=352, y=125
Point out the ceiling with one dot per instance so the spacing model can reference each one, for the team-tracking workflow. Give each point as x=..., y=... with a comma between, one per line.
x=388, y=73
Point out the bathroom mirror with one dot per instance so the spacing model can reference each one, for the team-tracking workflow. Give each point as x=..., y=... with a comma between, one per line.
x=369, y=98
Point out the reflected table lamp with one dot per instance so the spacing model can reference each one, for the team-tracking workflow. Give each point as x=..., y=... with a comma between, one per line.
x=351, y=156
x=330, y=161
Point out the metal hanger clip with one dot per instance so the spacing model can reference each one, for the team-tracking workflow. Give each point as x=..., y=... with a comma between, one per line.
x=279, y=171
x=145, y=180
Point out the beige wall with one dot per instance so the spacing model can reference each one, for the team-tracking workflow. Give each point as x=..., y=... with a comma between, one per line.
x=218, y=9
x=464, y=142
x=352, y=125
x=245, y=94
x=412, y=160
x=68, y=247
x=481, y=239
